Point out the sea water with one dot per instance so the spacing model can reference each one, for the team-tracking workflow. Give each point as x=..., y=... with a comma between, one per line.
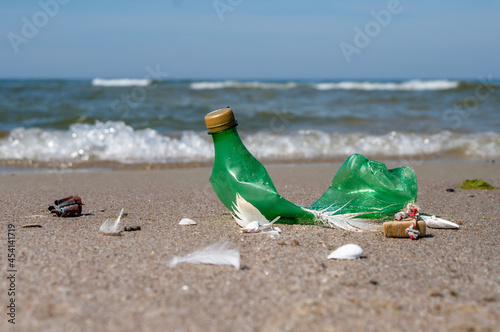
x=141, y=121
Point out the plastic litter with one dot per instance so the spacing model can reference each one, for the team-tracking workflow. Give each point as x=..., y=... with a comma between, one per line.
x=70, y=206
x=362, y=190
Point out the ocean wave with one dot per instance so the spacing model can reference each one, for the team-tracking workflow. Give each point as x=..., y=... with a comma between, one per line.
x=241, y=85
x=413, y=85
x=116, y=141
x=118, y=82
x=110, y=141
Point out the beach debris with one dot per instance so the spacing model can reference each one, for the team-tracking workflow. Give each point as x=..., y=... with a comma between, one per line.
x=216, y=254
x=347, y=221
x=187, y=221
x=112, y=227
x=476, y=184
x=251, y=220
x=399, y=229
x=132, y=228
x=347, y=251
x=31, y=226
x=435, y=222
x=406, y=224
x=70, y=206
x=450, y=190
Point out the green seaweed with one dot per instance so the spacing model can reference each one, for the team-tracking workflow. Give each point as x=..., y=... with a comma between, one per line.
x=476, y=184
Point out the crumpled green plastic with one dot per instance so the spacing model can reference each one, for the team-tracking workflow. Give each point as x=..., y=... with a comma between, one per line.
x=359, y=186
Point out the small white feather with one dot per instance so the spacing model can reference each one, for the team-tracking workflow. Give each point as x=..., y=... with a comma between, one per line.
x=187, y=221
x=252, y=227
x=347, y=221
x=215, y=254
x=348, y=251
x=112, y=227
x=245, y=213
x=435, y=222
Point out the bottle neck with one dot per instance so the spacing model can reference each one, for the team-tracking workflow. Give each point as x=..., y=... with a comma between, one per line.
x=227, y=141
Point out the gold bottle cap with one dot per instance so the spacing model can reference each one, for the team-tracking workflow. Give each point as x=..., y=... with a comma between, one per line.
x=219, y=120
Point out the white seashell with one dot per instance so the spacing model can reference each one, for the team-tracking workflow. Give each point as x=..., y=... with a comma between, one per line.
x=348, y=251
x=112, y=227
x=252, y=227
x=435, y=222
x=187, y=221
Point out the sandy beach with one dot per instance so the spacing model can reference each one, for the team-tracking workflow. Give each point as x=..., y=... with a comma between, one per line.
x=72, y=278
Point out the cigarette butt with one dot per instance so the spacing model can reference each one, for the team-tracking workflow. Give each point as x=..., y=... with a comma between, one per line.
x=398, y=228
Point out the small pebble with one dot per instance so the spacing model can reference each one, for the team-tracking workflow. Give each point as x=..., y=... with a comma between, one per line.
x=132, y=228
x=31, y=226
x=450, y=190
x=294, y=242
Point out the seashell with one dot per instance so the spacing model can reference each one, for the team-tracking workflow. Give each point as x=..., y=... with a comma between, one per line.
x=187, y=221
x=251, y=227
x=435, y=222
x=348, y=251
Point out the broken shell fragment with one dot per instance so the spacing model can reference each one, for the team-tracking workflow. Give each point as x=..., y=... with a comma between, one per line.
x=187, y=221
x=348, y=251
x=435, y=222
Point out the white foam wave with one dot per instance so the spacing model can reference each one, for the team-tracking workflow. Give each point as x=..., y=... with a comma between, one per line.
x=121, y=82
x=112, y=141
x=116, y=141
x=241, y=85
x=413, y=85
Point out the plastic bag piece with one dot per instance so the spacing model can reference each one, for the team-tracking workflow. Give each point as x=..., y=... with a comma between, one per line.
x=70, y=206
x=364, y=185
x=361, y=186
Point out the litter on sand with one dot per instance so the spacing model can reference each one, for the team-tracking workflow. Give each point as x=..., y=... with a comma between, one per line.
x=111, y=226
x=70, y=206
x=215, y=254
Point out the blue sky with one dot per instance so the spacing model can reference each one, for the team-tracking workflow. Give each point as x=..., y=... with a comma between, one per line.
x=250, y=39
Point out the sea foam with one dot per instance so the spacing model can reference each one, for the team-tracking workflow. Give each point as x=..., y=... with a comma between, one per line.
x=121, y=82
x=413, y=85
x=117, y=141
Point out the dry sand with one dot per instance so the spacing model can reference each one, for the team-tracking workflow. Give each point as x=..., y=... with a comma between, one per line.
x=72, y=278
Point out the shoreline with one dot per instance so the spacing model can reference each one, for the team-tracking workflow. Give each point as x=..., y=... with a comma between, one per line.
x=28, y=166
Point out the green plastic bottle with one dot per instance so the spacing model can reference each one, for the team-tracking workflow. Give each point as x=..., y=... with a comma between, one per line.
x=360, y=185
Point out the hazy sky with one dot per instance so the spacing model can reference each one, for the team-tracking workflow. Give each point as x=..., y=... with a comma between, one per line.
x=250, y=39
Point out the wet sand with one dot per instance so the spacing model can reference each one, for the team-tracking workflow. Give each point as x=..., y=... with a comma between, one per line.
x=72, y=278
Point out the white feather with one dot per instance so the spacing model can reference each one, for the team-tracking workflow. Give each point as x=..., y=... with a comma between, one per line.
x=252, y=227
x=348, y=251
x=187, y=221
x=245, y=213
x=435, y=222
x=345, y=221
x=112, y=227
x=215, y=254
